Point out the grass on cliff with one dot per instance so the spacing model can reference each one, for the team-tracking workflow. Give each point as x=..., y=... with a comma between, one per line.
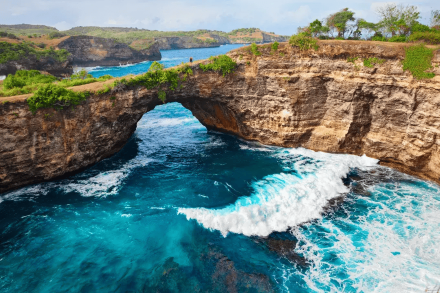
x=55, y=96
x=14, y=52
x=222, y=63
x=371, y=62
x=303, y=42
x=156, y=78
x=418, y=61
x=29, y=81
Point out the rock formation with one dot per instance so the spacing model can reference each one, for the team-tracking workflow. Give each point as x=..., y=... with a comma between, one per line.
x=95, y=51
x=172, y=43
x=291, y=98
x=47, y=64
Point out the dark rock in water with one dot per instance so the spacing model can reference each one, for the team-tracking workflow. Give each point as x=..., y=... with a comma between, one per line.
x=334, y=204
x=47, y=64
x=94, y=51
x=212, y=272
x=284, y=247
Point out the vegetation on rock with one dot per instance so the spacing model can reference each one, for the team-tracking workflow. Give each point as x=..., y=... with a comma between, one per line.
x=398, y=23
x=29, y=81
x=303, y=42
x=418, y=60
x=254, y=49
x=14, y=52
x=370, y=62
x=55, y=96
x=222, y=63
x=158, y=78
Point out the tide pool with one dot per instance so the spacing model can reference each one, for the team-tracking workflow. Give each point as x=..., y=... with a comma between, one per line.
x=181, y=209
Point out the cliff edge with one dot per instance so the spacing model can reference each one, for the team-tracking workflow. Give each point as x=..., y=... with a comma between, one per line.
x=291, y=98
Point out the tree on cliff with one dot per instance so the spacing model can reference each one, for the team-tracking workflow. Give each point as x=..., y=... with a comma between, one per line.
x=435, y=19
x=316, y=28
x=339, y=21
x=397, y=19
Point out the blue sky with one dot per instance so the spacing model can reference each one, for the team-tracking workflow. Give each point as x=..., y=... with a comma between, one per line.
x=280, y=16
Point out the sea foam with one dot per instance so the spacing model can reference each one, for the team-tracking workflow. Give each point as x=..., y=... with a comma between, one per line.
x=284, y=200
x=386, y=242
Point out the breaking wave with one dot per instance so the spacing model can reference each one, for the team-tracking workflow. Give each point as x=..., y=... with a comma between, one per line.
x=287, y=199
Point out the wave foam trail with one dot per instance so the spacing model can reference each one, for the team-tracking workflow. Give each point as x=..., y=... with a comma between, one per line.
x=284, y=200
x=106, y=183
x=391, y=246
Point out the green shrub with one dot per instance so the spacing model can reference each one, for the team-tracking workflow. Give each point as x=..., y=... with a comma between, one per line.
x=56, y=35
x=379, y=39
x=28, y=81
x=254, y=49
x=54, y=96
x=339, y=38
x=158, y=78
x=221, y=63
x=13, y=52
x=304, y=42
x=352, y=59
x=418, y=27
x=275, y=46
x=397, y=39
x=82, y=74
x=26, y=77
x=370, y=62
x=428, y=37
x=418, y=60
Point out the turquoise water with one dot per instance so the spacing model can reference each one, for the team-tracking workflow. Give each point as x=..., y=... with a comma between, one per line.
x=181, y=209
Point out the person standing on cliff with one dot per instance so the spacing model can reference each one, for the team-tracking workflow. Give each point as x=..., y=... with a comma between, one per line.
x=191, y=59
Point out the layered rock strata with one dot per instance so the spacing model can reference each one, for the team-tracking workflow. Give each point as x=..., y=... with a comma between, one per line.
x=290, y=98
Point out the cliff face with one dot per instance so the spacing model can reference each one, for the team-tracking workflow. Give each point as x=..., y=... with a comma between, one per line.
x=290, y=98
x=47, y=64
x=172, y=43
x=95, y=51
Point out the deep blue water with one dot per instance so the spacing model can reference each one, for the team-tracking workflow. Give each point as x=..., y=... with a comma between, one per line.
x=181, y=209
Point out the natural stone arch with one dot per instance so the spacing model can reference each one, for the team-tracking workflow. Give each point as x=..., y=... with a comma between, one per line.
x=315, y=101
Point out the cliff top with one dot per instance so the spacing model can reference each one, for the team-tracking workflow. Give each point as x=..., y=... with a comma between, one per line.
x=329, y=49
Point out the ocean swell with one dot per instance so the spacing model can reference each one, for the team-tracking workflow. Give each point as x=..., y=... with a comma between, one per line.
x=284, y=200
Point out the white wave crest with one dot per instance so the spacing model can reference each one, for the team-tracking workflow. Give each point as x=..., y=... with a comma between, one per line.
x=106, y=183
x=284, y=200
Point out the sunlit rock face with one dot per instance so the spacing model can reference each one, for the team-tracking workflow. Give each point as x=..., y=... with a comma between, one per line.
x=95, y=51
x=289, y=98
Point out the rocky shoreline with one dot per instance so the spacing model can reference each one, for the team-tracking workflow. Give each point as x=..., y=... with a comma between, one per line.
x=290, y=98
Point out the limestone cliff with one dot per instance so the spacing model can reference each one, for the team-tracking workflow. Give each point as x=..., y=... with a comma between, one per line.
x=172, y=43
x=313, y=99
x=95, y=51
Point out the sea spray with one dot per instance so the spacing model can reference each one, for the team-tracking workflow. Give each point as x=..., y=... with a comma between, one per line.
x=284, y=200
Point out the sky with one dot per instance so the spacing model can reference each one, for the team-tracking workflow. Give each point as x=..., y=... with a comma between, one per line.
x=279, y=16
